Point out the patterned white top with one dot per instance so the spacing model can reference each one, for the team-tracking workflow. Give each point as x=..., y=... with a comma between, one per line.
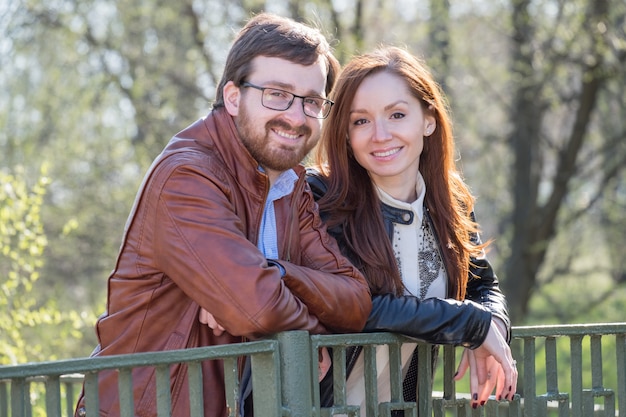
x=423, y=275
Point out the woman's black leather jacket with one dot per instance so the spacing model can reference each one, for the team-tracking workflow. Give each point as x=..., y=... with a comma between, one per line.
x=434, y=320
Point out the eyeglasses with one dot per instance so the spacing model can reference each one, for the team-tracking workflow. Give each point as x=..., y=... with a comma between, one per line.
x=281, y=100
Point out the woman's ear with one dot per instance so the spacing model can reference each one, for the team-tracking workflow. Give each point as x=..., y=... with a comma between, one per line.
x=430, y=122
x=232, y=95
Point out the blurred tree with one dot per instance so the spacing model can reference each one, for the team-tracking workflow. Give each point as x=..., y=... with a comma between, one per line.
x=32, y=328
x=562, y=67
x=439, y=40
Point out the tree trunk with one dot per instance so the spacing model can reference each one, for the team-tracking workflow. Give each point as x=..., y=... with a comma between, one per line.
x=534, y=224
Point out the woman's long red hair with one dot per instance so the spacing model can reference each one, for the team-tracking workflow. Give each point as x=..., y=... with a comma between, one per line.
x=352, y=201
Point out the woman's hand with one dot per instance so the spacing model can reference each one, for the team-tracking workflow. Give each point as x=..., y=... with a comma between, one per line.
x=491, y=366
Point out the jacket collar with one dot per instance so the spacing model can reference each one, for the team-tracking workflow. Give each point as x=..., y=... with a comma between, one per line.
x=397, y=215
x=402, y=212
x=222, y=133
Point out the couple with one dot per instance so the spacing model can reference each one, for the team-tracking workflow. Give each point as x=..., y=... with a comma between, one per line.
x=225, y=242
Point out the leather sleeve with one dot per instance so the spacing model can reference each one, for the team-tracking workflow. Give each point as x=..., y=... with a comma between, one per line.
x=483, y=288
x=332, y=288
x=433, y=320
x=483, y=295
x=207, y=255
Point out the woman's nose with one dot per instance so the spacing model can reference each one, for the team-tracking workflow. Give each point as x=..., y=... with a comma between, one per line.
x=381, y=132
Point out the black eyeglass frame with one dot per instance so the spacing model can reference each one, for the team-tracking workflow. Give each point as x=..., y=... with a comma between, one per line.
x=326, y=103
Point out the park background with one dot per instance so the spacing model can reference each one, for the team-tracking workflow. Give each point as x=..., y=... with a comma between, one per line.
x=91, y=90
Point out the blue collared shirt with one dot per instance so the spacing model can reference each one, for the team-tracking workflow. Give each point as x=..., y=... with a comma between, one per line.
x=268, y=241
x=268, y=245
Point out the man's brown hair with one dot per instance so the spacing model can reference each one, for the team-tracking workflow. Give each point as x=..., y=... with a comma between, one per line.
x=274, y=36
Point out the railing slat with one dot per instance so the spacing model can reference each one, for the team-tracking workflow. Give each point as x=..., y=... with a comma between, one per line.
x=371, y=385
x=231, y=382
x=69, y=397
x=53, y=395
x=552, y=378
x=395, y=372
x=449, y=368
x=125, y=389
x=339, y=375
x=20, y=397
x=4, y=398
x=576, y=349
x=596, y=362
x=552, y=384
x=92, y=403
x=267, y=383
x=609, y=404
x=196, y=391
x=530, y=380
x=163, y=393
x=515, y=409
x=424, y=378
x=620, y=356
x=491, y=409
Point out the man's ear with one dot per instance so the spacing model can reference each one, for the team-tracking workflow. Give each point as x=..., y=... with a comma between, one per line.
x=232, y=95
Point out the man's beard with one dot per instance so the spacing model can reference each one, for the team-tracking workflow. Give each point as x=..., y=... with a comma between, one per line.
x=270, y=155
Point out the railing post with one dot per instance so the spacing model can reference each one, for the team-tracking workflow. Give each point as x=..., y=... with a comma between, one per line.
x=295, y=372
x=424, y=383
x=576, y=364
x=53, y=395
x=530, y=378
x=92, y=400
x=620, y=350
x=265, y=380
x=4, y=398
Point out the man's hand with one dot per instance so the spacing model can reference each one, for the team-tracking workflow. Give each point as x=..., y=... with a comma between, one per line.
x=208, y=319
x=324, y=363
x=324, y=358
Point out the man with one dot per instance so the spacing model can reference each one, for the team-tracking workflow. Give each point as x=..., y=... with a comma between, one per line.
x=225, y=222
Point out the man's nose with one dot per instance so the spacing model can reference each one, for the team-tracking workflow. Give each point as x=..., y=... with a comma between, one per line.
x=295, y=112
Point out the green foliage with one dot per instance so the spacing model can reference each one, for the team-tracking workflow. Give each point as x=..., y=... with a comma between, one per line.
x=33, y=329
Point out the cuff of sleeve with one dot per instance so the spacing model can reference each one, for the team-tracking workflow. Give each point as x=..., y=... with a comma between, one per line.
x=502, y=327
x=272, y=262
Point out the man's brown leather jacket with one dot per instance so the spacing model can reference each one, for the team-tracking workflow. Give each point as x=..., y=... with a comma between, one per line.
x=190, y=242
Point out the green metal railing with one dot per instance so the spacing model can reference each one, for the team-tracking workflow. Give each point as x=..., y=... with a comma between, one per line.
x=590, y=361
x=590, y=350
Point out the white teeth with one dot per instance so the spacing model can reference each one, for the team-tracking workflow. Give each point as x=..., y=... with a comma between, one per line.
x=386, y=153
x=287, y=135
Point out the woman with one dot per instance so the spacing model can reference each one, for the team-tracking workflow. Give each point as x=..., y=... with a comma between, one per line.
x=390, y=193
